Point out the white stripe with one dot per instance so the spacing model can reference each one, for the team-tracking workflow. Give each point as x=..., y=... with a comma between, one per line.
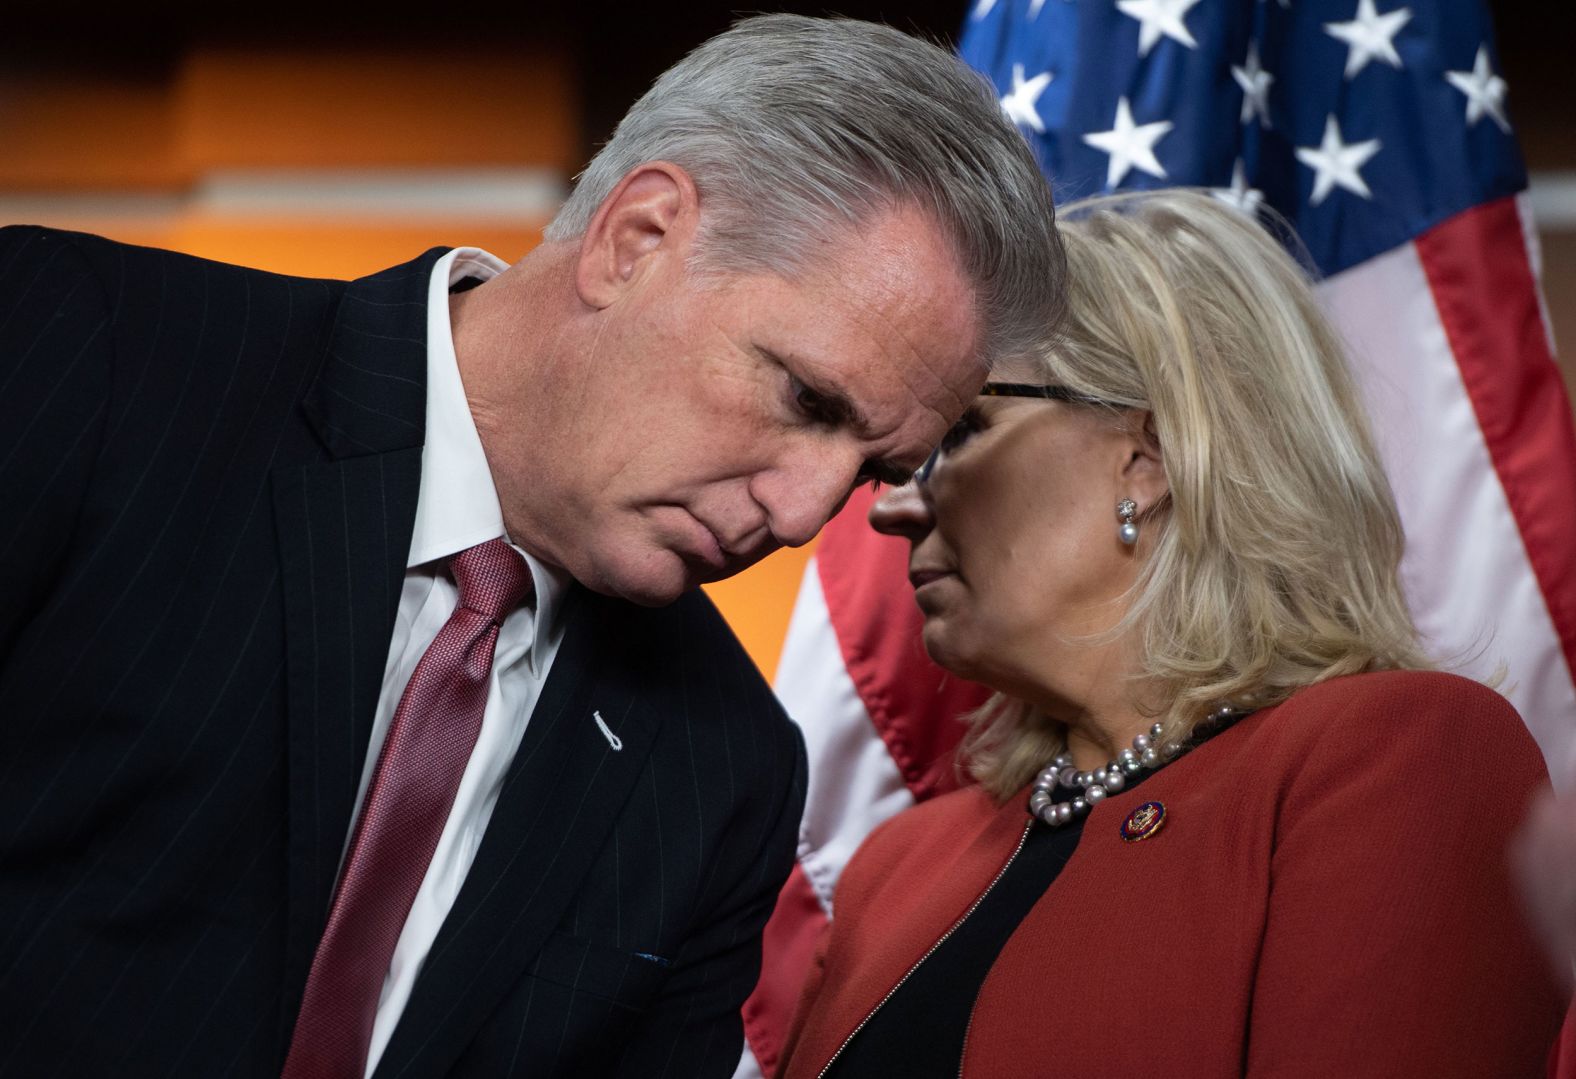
x=854, y=784
x=62, y=210
x=749, y=1067
x=1553, y=197
x=471, y=194
x=509, y=195
x=1466, y=570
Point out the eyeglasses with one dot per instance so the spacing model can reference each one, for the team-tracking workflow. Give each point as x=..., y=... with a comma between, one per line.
x=1003, y=389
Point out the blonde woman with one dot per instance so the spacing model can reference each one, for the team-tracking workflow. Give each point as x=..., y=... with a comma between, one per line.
x=1225, y=819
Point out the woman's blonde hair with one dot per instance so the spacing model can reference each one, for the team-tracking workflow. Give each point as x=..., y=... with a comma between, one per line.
x=1274, y=559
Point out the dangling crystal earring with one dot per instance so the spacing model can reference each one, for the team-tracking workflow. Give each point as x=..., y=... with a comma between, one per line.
x=1127, y=532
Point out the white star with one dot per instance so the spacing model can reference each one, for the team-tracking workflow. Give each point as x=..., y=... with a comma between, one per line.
x=1130, y=145
x=1034, y=9
x=982, y=9
x=1485, y=90
x=1239, y=194
x=1336, y=164
x=1255, y=83
x=1157, y=18
x=1370, y=36
x=1020, y=103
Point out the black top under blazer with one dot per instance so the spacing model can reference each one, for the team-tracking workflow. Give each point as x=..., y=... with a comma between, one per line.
x=208, y=481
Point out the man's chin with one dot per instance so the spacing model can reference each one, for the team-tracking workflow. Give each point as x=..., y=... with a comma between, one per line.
x=662, y=580
x=643, y=593
x=652, y=585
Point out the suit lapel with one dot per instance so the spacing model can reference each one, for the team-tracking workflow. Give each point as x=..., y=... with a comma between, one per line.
x=565, y=789
x=344, y=527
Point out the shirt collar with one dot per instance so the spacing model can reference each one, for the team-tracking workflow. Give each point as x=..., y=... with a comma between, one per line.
x=457, y=505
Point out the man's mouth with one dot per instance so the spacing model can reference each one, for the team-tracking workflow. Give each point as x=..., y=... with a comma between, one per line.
x=706, y=547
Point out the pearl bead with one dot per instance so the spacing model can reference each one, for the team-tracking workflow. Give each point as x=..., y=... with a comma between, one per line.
x=1092, y=787
x=1128, y=533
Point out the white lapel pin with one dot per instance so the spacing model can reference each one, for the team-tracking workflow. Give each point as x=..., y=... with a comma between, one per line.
x=607, y=732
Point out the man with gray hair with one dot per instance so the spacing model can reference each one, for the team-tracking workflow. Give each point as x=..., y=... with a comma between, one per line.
x=361, y=715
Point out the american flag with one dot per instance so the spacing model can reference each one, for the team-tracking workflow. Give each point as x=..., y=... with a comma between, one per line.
x=1380, y=130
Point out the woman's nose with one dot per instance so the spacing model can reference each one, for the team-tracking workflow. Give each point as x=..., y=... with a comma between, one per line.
x=902, y=511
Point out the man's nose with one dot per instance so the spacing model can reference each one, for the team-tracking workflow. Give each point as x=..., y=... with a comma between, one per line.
x=902, y=511
x=798, y=501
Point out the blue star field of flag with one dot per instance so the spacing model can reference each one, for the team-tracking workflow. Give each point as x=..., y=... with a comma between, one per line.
x=1364, y=122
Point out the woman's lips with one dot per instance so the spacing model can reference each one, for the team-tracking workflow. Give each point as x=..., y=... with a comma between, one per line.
x=919, y=578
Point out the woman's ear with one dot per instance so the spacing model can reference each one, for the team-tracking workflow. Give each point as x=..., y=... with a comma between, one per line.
x=651, y=215
x=1144, y=472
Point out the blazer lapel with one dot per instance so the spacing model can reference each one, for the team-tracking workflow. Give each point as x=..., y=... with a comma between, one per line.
x=344, y=527
x=565, y=789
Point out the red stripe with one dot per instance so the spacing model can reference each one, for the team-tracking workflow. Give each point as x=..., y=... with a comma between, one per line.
x=789, y=946
x=913, y=703
x=1481, y=277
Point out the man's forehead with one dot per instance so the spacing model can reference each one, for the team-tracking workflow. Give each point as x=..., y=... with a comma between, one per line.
x=893, y=375
x=896, y=290
x=900, y=254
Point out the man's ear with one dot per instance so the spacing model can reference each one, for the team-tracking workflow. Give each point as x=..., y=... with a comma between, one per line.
x=1144, y=471
x=651, y=214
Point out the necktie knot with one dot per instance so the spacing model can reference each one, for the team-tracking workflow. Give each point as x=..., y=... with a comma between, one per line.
x=493, y=578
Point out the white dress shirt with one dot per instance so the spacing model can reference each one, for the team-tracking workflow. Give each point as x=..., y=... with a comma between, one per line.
x=457, y=507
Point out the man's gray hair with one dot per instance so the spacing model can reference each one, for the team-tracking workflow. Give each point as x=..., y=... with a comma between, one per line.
x=794, y=128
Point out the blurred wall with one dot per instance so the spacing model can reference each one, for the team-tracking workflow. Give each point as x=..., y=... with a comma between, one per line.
x=338, y=141
x=301, y=159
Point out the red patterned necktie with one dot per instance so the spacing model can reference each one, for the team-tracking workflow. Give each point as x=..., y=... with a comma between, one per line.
x=407, y=803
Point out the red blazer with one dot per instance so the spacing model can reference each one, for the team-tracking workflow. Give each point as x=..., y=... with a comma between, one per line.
x=1329, y=896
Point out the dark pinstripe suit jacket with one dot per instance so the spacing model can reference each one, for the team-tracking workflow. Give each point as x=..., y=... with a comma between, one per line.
x=208, y=479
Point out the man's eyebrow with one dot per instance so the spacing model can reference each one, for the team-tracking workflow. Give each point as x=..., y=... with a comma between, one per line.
x=888, y=473
x=836, y=400
x=844, y=411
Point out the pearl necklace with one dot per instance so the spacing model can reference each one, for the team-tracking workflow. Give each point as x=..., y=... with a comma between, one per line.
x=1148, y=752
